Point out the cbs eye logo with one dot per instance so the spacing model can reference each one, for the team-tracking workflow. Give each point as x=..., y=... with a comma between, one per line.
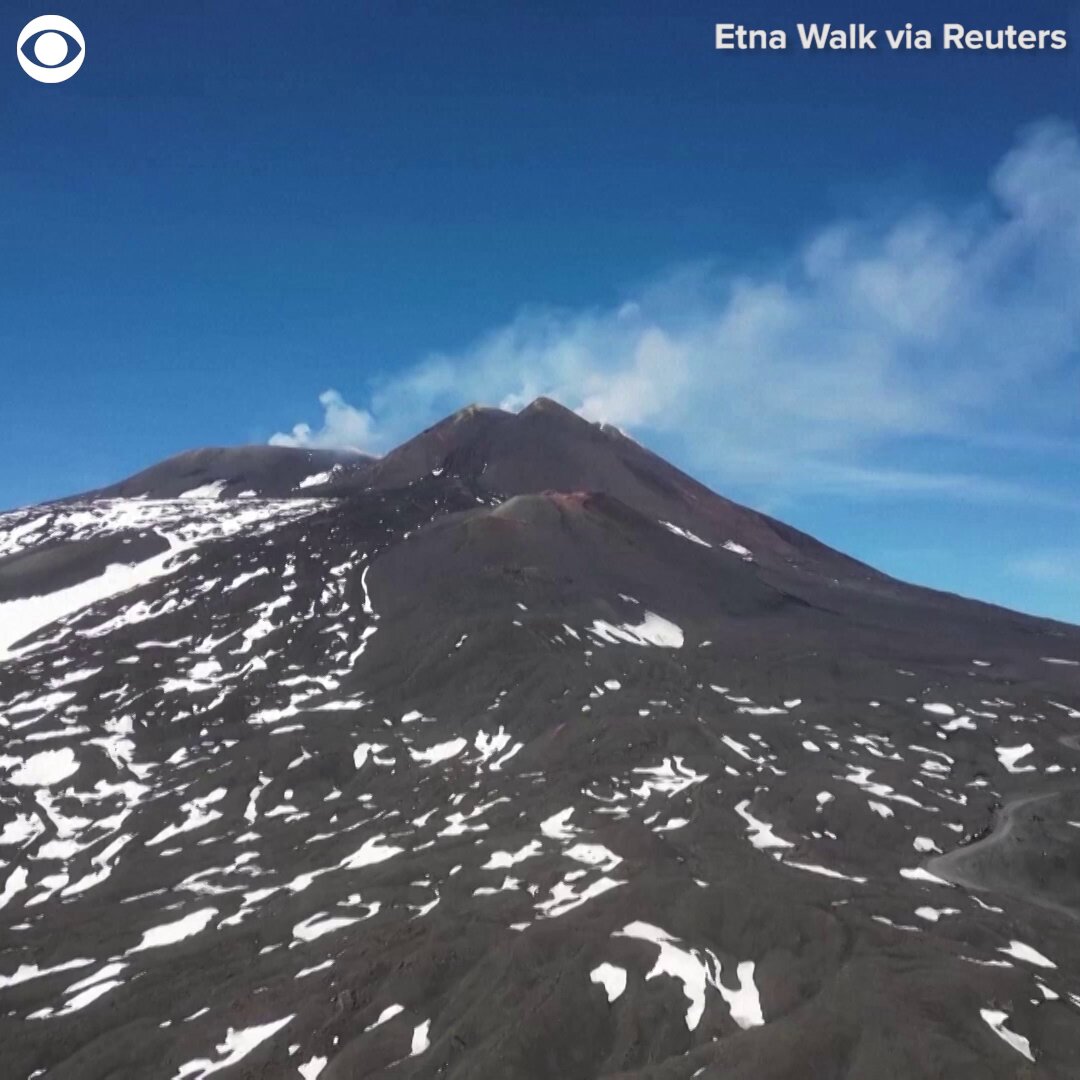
x=51, y=49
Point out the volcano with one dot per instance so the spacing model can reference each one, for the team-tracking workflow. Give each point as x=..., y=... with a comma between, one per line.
x=517, y=753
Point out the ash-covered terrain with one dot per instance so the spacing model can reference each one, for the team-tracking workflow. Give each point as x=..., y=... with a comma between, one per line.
x=517, y=754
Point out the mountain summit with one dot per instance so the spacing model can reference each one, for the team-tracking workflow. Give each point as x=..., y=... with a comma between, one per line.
x=517, y=753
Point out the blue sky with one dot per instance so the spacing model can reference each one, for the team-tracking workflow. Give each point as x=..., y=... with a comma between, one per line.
x=839, y=287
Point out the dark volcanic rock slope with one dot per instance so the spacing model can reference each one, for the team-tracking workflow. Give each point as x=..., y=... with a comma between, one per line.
x=518, y=754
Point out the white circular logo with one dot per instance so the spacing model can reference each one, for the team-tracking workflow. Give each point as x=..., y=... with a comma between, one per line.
x=51, y=48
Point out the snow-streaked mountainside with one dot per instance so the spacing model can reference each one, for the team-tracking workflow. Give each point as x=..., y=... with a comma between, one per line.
x=517, y=753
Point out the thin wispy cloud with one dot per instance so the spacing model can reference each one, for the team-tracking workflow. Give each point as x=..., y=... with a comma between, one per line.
x=942, y=326
x=1058, y=567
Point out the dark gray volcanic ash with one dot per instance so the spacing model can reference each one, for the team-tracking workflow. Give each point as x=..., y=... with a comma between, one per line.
x=517, y=754
x=239, y=471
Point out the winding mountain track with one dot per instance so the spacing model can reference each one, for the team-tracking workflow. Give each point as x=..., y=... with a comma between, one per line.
x=974, y=866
